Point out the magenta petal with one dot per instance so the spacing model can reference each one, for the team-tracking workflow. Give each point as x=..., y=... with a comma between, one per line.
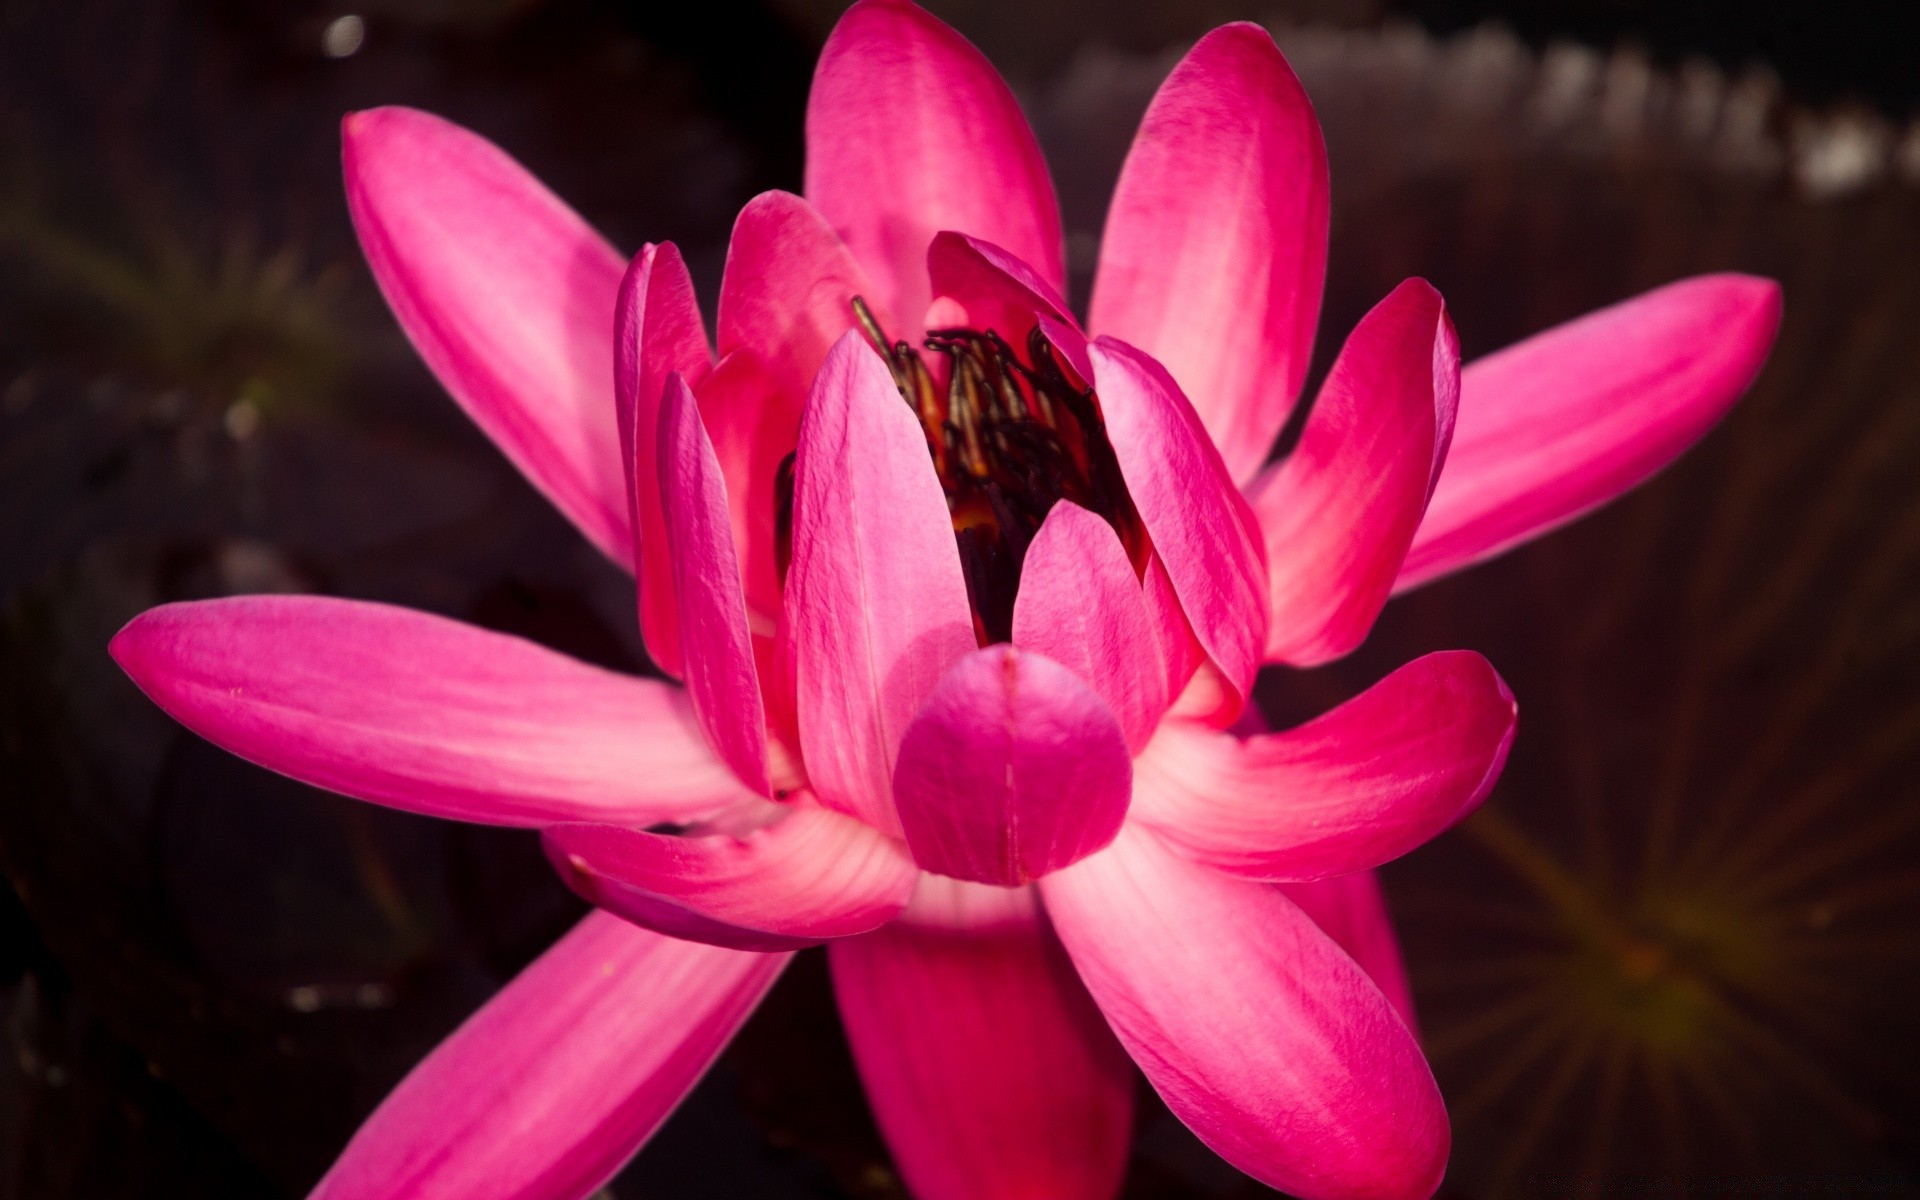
x=910, y=131
x=1215, y=248
x=1014, y=768
x=1351, y=910
x=657, y=334
x=1255, y=1028
x=997, y=290
x=876, y=604
x=722, y=678
x=1352, y=789
x=1081, y=606
x=789, y=876
x=1202, y=530
x=544, y=1093
x=425, y=714
x=1339, y=512
x=989, y=1070
x=1563, y=422
x=507, y=295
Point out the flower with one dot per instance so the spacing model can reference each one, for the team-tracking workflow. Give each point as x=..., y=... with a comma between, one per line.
x=957, y=671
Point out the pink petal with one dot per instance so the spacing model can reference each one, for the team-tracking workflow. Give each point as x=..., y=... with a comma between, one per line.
x=425, y=714
x=722, y=679
x=1216, y=243
x=1014, y=768
x=876, y=604
x=1258, y=1032
x=1171, y=634
x=989, y=1070
x=657, y=333
x=507, y=295
x=785, y=299
x=544, y=1093
x=1557, y=425
x=1081, y=606
x=1351, y=910
x=1356, y=787
x=1202, y=530
x=910, y=131
x=1339, y=512
x=997, y=290
x=789, y=876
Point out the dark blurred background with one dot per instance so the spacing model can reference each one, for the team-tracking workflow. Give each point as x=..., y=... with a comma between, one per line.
x=1676, y=955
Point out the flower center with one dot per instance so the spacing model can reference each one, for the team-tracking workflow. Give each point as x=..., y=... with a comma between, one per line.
x=1010, y=435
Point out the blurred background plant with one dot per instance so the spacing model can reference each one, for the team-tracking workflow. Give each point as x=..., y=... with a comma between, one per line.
x=1674, y=956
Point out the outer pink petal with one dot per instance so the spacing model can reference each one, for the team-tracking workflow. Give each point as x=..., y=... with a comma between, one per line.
x=1081, y=605
x=1351, y=910
x=787, y=296
x=788, y=876
x=1202, y=530
x=1013, y=769
x=1215, y=249
x=1339, y=513
x=508, y=296
x=722, y=678
x=422, y=713
x=544, y=1093
x=989, y=1070
x=876, y=604
x=1559, y=424
x=1352, y=789
x=910, y=131
x=1255, y=1028
x=657, y=333
x=997, y=290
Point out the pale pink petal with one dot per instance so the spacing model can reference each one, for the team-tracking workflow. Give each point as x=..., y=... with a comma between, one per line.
x=1202, y=530
x=876, y=604
x=1351, y=910
x=1339, y=512
x=422, y=713
x=766, y=877
x=1552, y=427
x=996, y=290
x=544, y=1093
x=1352, y=789
x=786, y=297
x=910, y=131
x=1215, y=248
x=1255, y=1028
x=722, y=678
x=989, y=1070
x=1014, y=768
x=1081, y=605
x=507, y=295
x=657, y=333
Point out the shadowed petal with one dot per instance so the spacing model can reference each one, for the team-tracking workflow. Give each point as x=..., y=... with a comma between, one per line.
x=1012, y=769
x=1215, y=247
x=910, y=131
x=722, y=678
x=1081, y=605
x=989, y=1070
x=779, y=877
x=507, y=295
x=876, y=604
x=1255, y=1028
x=1340, y=511
x=997, y=290
x=1351, y=910
x=1202, y=530
x=418, y=712
x=657, y=333
x=1352, y=789
x=544, y=1093
x=1557, y=425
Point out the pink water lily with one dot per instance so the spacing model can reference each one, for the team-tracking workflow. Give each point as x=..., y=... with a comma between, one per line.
x=955, y=674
